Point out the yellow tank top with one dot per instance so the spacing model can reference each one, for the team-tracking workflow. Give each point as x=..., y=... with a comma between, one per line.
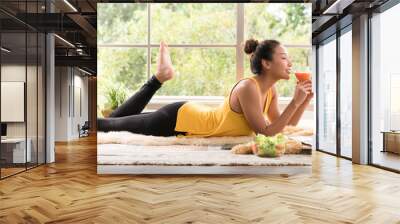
x=203, y=121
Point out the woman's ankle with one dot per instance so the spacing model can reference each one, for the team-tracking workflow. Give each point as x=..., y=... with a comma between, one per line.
x=154, y=80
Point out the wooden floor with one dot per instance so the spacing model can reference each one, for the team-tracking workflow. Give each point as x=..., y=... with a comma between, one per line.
x=70, y=191
x=387, y=159
x=10, y=171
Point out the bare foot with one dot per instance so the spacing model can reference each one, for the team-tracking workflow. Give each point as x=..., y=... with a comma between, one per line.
x=165, y=70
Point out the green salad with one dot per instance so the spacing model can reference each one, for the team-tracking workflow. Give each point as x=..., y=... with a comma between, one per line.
x=266, y=145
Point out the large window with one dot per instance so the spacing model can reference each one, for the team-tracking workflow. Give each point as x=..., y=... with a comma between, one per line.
x=334, y=137
x=327, y=96
x=202, y=80
x=205, y=40
x=346, y=93
x=385, y=84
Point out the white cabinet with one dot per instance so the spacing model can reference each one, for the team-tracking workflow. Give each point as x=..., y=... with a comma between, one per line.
x=15, y=148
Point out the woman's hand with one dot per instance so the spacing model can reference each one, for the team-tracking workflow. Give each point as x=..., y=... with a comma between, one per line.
x=302, y=97
x=309, y=97
x=302, y=92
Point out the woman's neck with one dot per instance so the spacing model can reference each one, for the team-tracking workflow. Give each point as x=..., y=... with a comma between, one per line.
x=266, y=81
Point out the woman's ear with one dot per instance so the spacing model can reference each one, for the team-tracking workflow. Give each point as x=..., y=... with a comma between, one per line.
x=266, y=64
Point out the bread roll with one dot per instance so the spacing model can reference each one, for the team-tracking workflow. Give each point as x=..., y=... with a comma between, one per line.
x=244, y=148
x=280, y=149
x=293, y=147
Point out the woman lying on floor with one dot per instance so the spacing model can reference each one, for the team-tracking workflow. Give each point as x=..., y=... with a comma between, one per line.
x=242, y=113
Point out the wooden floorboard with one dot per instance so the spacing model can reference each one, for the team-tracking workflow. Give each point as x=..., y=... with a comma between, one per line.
x=387, y=159
x=70, y=191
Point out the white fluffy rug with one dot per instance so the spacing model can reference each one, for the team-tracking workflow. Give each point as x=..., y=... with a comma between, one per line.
x=125, y=148
x=118, y=154
x=127, y=138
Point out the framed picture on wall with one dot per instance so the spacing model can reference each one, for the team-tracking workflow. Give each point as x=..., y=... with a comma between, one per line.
x=12, y=101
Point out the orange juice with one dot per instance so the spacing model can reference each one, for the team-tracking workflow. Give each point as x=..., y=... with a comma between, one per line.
x=303, y=76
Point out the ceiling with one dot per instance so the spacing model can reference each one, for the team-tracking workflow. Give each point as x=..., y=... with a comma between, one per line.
x=328, y=16
x=74, y=22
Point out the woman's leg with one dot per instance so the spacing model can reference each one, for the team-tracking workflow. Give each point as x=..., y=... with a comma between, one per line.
x=136, y=103
x=159, y=123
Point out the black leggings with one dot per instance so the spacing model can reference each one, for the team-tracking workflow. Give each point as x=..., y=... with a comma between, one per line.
x=128, y=116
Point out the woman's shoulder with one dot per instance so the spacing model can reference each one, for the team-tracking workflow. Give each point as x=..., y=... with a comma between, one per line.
x=247, y=82
x=246, y=85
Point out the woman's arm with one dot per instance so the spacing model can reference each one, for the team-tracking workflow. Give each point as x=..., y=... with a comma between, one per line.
x=297, y=115
x=274, y=113
x=249, y=100
x=273, y=110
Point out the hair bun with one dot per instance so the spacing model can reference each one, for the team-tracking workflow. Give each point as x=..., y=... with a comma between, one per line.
x=250, y=46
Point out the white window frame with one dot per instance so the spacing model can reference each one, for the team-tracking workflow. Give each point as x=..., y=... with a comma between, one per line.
x=240, y=15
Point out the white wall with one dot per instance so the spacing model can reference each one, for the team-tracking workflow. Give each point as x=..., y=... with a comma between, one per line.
x=33, y=126
x=15, y=73
x=80, y=109
x=61, y=103
x=70, y=84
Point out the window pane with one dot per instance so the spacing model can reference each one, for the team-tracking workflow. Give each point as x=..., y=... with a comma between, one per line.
x=41, y=98
x=288, y=23
x=122, y=70
x=179, y=23
x=13, y=84
x=300, y=58
x=199, y=71
x=122, y=23
x=346, y=94
x=32, y=100
x=385, y=86
x=327, y=97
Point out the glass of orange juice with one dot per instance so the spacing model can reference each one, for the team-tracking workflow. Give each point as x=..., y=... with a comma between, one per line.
x=303, y=76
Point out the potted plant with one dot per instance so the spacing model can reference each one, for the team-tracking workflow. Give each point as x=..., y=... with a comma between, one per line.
x=115, y=96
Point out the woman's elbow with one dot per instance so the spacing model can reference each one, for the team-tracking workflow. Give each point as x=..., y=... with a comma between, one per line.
x=268, y=131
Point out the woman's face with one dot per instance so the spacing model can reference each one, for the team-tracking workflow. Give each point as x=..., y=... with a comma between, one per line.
x=280, y=66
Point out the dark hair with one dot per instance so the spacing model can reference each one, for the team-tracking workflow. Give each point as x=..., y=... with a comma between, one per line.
x=258, y=51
